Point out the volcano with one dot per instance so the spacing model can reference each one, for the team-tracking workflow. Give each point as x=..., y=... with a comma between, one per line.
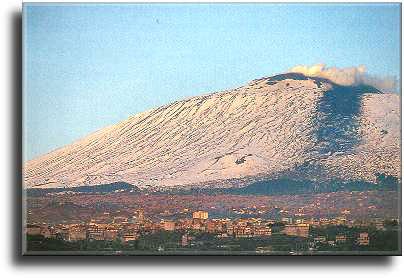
x=288, y=125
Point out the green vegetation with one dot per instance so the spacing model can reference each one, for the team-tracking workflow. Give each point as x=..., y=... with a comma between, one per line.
x=160, y=239
x=380, y=240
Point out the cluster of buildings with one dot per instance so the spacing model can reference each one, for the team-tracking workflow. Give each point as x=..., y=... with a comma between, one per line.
x=224, y=227
x=378, y=223
x=300, y=230
x=91, y=231
x=340, y=220
x=362, y=239
x=121, y=228
x=129, y=229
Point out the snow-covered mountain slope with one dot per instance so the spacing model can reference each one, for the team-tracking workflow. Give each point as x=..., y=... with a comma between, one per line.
x=287, y=124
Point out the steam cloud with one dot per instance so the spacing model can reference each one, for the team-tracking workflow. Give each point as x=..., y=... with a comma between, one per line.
x=348, y=76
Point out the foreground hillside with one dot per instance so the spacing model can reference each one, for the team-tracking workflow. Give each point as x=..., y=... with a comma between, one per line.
x=287, y=125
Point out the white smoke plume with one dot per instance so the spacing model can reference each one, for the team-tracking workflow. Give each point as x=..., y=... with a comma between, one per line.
x=348, y=76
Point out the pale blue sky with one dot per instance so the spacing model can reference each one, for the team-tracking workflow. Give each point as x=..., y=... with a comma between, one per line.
x=89, y=66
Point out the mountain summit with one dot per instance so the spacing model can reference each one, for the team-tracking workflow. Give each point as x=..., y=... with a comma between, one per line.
x=288, y=125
